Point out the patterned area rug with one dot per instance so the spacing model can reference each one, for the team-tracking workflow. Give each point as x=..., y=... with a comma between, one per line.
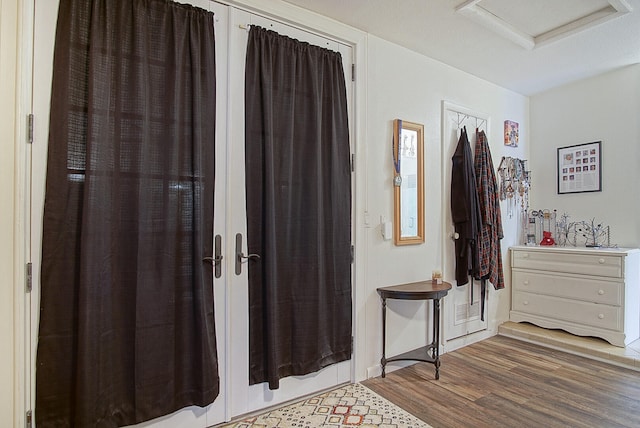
x=350, y=406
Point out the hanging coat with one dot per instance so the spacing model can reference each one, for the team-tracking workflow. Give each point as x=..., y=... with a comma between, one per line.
x=465, y=211
x=490, y=233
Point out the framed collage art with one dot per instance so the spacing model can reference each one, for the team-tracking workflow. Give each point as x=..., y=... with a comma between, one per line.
x=580, y=168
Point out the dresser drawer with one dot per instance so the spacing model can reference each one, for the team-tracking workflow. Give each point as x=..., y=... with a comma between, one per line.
x=570, y=287
x=584, y=264
x=584, y=313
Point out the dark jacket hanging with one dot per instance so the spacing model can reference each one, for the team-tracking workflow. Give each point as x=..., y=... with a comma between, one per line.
x=465, y=210
x=489, y=254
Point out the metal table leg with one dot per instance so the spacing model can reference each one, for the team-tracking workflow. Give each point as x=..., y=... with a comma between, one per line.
x=383, y=360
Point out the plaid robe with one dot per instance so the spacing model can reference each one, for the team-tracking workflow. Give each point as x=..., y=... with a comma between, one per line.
x=490, y=233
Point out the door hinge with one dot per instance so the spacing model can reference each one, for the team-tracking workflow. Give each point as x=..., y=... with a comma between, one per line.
x=353, y=162
x=29, y=419
x=30, y=128
x=353, y=249
x=353, y=72
x=29, y=279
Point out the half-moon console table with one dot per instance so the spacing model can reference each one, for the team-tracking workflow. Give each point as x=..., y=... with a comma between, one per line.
x=424, y=290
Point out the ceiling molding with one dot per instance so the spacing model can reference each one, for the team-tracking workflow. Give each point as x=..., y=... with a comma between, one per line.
x=474, y=11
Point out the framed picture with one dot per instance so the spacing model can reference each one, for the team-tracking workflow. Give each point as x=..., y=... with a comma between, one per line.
x=511, y=133
x=580, y=168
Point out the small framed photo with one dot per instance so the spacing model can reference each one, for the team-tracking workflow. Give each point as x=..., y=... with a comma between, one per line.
x=580, y=168
x=511, y=133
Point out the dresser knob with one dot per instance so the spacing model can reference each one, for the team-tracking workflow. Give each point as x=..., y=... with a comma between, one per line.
x=526, y=282
x=525, y=256
x=601, y=292
x=601, y=316
x=601, y=261
x=526, y=302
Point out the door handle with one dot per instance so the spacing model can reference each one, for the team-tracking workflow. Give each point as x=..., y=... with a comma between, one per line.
x=216, y=260
x=240, y=255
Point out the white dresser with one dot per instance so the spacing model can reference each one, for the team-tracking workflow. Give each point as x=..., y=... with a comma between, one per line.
x=585, y=291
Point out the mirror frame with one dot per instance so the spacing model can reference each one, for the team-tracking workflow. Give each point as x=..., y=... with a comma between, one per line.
x=398, y=127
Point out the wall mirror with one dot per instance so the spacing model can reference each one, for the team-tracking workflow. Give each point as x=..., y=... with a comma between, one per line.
x=408, y=182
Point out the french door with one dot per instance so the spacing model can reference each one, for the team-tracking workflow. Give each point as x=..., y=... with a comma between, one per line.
x=244, y=397
x=463, y=305
x=236, y=397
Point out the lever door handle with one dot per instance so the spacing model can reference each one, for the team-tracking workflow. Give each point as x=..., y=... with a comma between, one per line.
x=212, y=259
x=216, y=260
x=249, y=256
x=240, y=255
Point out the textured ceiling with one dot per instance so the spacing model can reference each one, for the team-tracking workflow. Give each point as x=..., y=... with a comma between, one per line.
x=435, y=29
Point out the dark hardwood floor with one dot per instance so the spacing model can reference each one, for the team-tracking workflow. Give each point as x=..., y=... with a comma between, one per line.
x=504, y=382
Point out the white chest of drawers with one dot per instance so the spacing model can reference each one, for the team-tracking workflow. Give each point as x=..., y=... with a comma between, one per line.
x=585, y=291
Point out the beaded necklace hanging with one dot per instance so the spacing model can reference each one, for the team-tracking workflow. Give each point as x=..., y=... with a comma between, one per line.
x=515, y=182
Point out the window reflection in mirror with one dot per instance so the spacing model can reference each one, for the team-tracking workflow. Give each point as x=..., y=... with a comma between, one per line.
x=408, y=182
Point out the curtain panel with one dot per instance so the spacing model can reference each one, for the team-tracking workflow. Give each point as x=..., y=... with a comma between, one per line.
x=298, y=184
x=126, y=329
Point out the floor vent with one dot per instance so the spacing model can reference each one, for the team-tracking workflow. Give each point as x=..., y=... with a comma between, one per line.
x=466, y=312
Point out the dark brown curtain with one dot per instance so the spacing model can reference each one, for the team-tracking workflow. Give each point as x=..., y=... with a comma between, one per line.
x=126, y=322
x=298, y=185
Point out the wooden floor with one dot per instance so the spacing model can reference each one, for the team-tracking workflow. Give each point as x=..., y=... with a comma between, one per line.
x=504, y=382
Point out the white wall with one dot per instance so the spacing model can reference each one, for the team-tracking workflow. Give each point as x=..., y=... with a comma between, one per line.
x=403, y=84
x=603, y=108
